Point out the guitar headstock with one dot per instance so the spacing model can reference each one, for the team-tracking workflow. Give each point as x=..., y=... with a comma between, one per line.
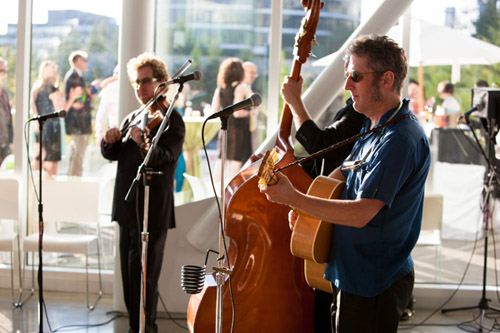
x=307, y=33
x=266, y=169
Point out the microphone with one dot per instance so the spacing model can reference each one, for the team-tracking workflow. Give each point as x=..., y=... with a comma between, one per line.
x=58, y=114
x=467, y=113
x=196, y=76
x=253, y=100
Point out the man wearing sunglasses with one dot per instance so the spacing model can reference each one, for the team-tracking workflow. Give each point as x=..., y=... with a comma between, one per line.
x=129, y=145
x=378, y=218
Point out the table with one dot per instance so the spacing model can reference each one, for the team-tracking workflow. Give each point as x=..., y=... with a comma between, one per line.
x=193, y=143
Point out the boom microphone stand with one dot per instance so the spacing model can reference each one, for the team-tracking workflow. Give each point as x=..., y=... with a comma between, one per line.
x=491, y=178
x=147, y=173
x=41, y=122
x=221, y=271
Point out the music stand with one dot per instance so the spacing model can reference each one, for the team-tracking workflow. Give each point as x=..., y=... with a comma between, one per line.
x=491, y=178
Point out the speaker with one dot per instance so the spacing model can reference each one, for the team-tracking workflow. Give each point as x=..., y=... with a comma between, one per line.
x=455, y=145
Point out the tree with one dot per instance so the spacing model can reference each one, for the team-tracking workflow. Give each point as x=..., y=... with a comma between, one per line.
x=488, y=24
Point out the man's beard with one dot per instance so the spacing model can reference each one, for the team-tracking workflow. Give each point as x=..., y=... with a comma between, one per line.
x=376, y=95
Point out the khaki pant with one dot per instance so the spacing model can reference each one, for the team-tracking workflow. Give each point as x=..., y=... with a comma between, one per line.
x=78, y=144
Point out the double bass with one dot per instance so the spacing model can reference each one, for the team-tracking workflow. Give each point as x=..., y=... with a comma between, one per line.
x=268, y=286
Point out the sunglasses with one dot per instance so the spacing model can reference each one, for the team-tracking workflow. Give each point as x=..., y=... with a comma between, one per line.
x=147, y=80
x=356, y=76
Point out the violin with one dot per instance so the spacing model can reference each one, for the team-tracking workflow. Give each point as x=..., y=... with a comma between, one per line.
x=149, y=116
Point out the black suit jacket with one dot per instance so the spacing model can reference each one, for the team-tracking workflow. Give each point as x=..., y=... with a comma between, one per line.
x=347, y=123
x=164, y=159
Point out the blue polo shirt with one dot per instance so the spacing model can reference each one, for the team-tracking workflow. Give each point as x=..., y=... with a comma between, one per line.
x=366, y=261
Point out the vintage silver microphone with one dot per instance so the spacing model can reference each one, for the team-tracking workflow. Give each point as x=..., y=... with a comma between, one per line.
x=193, y=276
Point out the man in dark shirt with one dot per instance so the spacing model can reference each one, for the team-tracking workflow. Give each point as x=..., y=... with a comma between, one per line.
x=78, y=122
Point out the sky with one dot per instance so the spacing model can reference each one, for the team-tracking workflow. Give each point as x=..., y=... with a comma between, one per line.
x=9, y=11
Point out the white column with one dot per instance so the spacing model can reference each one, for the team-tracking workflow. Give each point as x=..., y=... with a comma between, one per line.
x=274, y=66
x=137, y=35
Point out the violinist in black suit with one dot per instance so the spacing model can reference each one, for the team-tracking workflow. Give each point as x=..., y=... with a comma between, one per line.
x=129, y=145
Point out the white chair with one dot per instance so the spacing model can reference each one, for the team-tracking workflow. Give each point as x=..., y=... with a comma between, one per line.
x=198, y=187
x=7, y=163
x=106, y=178
x=9, y=241
x=74, y=201
x=430, y=233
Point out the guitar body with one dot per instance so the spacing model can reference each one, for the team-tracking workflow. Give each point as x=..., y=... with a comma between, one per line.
x=311, y=237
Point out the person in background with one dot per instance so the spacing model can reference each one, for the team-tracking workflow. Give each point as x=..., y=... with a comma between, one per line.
x=128, y=145
x=231, y=89
x=78, y=121
x=413, y=95
x=46, y=98
x=450, y=106
x=251, y=74
x=6, y=127
x=481, y=84
x=107, y=113
x=378, y=218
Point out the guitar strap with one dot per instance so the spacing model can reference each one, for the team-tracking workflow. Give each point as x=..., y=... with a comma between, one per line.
x=343, y=142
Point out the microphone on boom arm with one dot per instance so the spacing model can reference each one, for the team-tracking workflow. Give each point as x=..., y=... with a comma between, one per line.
x=253, y=100
x=57, y=114
x=195, y=76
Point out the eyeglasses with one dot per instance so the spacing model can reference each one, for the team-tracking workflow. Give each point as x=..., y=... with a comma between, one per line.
x=356, y=76
x=147, y=80
x=3, y=71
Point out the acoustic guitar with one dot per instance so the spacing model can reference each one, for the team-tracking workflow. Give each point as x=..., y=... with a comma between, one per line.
x=311, y=237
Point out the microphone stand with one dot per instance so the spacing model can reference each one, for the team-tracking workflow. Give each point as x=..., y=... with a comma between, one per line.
x=491, y=178
x=144, y=171
x=40, y=230
x=221, y=271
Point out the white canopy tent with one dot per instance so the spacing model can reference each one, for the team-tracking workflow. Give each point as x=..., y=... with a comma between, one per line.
x=435, y=45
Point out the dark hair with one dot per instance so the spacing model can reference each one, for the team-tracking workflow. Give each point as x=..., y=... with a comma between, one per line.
x=383, y=54
x=446, y=87
x=482, y=84
x=230, y=70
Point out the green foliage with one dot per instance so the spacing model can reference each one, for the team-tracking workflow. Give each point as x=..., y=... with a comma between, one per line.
x=488, y=23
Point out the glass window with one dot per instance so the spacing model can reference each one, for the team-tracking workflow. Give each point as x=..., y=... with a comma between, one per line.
x=74, y=54
x=8, y=39
x=209, y=32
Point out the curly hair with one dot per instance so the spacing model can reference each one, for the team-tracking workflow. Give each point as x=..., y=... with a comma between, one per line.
x=147, y=59
x=383, y=54
x=230, y=70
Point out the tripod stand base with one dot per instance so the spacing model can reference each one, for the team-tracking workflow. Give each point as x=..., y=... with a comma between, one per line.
x=483, y=305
